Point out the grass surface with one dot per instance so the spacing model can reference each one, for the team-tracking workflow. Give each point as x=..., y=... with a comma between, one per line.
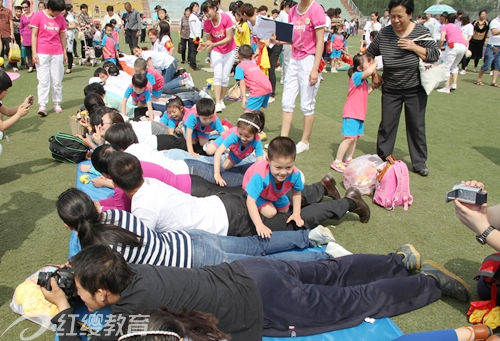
x=462, y=135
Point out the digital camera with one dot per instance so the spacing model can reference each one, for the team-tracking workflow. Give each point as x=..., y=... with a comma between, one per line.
x=470, y=195
x=64, y=278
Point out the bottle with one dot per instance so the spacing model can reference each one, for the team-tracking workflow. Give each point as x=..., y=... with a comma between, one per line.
x=291, y=329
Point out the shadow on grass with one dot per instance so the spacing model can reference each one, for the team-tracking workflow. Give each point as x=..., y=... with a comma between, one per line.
x=6, y=294
x=18, y=217
x=75, y=102
x=14, y=172
x=492, y=153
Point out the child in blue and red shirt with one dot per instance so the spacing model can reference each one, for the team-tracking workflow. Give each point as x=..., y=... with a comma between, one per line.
x=109, y=45
x=241, y=141
x=201, y=125
x=267, y=182
x=250, y=76
x=175, y=113
x=353, y=123
x=141, y=97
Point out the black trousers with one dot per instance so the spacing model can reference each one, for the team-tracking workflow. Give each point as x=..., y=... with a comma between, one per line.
x=166, y=142
x=326, y=295
x=131, y=39
x=184, y=49
x=192, y=52
x=5, y=47
x=415, y=102
x=274, y=55
x=29, y=57
x=70, y=59
x=476, y=47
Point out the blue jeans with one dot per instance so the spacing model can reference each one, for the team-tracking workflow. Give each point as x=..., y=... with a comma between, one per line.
x=211, y=249
x=490, y=57
x=168, y=76
x=233, y=176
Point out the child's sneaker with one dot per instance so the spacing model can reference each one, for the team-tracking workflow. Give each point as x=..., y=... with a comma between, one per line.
x=188, y=80
x=57, y=108
x=218, y=107
x=347, y=162
x=339, y=166
x=42, y=111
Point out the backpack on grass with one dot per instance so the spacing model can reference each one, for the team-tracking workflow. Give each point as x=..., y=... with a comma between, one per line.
x=67, y=148
x=393, y=185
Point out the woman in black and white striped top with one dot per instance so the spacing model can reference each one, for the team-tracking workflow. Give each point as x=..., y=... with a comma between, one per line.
x=401, y=82
x=195, y=248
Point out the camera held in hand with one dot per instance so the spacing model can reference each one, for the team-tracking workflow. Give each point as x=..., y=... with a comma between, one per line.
x=470, y=195
x=64, y=278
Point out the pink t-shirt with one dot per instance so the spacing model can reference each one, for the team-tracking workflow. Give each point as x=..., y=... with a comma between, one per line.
x=219, y=33
x=304, y=29
x=453, y=34
x=357, y=97
x=49, y=41
x=255, y=80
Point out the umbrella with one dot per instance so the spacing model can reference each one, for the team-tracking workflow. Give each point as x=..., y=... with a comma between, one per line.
x=438, y=9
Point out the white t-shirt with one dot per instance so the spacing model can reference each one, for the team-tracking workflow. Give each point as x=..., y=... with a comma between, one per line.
x=328, y=27
x=369, y=27
x=160, y=60
x=164, y=208
x=107, y=19
x=194, y=26
x=494, y=40
x=144, y=152
x=144, y=133
x=468, y=31
x=159, y=45
x=434, y=27
x=283, y=17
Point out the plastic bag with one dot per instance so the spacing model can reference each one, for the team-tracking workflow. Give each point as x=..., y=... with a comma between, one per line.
x=14, y=53
x=362, y=173
x=29, y=301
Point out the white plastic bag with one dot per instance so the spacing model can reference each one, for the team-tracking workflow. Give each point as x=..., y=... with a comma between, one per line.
x=362, y=173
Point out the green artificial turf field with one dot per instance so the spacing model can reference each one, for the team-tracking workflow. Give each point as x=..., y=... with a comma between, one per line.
x=463, y=143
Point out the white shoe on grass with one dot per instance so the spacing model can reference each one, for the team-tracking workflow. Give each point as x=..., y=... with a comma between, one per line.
x=336, y=250
x=321, y=235
x=302, y=147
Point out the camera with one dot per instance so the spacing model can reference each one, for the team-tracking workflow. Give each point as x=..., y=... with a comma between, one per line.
x=64, y=278
x=470, y=195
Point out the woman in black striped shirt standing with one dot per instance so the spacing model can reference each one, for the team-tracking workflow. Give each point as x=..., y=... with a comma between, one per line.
x=401, y=82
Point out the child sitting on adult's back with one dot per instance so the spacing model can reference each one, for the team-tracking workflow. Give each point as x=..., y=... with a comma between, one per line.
x=250, y=76
x=242, y=141
x=201, y=125
x=109, y=45
x=141, y=97
x=354, y=113
x=267, y=182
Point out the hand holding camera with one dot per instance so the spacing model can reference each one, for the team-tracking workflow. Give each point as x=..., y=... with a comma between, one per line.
x=58, y=287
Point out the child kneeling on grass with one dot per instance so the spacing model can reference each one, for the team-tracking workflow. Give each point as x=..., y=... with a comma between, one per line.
x=267, y=182
x=241, y=141
x=354, y=109
x=141, y=97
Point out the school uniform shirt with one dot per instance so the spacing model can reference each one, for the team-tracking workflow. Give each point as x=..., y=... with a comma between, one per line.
x=171, y=122
x=192, y=121
x=141, y=98
x=48, y=39
x=237, y=152
x=156, y=81
x=167, y=249
x=144, y=152
x=338, y=41
x=160, y=61
x=304, y=29
x=357, y=97
x=255, y=80
x=110, y=45
x=259, y=182
x=218, y=33
x=163, y=208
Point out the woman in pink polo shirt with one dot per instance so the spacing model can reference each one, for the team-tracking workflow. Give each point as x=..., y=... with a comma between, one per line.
x=48, y=38
x=221, y=47
x=308, y=19
x=455, y=51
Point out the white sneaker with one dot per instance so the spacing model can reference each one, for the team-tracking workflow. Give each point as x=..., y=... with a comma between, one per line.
x=453, y=86
x=321, y=235
x=15, y=69
x=266, y=146
x=188, y=81
x=222, y=105
x=334, y=71
x=218, y=107
x=302, y=147
x=462, y=72
x=444, y=90
x=336, y=250
x=271, y=100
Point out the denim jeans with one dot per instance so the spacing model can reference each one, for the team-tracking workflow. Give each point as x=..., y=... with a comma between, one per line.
x=490, y=57
x=211, y=249
x=233, y=176
x=168, y=77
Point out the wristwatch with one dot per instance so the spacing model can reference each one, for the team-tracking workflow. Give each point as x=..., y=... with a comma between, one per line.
x=481, y=238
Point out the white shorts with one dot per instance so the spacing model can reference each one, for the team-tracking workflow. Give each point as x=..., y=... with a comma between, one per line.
x=297, y=79
x=453, y=58
x=222, y=65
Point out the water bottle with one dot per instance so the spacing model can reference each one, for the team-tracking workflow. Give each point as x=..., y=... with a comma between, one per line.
x=291, y=329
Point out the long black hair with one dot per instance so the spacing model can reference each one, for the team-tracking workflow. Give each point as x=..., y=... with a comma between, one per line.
x=164, y=29
x=77, y=210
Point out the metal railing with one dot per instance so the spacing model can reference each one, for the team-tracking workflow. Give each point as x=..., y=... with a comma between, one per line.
x=354, y=8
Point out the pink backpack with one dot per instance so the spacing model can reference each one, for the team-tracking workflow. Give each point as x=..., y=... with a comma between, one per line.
x=393, y=185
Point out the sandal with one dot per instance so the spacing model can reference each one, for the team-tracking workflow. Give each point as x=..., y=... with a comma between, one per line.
x=495, y=85
x=478, y=82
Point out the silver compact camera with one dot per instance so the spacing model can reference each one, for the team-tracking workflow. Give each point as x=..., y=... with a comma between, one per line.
x=470, y=195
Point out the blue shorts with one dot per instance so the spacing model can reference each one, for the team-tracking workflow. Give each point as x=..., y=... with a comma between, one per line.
x=490, y=57
x=280, y=204
x=336, y=54
x=352, y=127
x=255, y=103
x=113, y=60
x=157, y=93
